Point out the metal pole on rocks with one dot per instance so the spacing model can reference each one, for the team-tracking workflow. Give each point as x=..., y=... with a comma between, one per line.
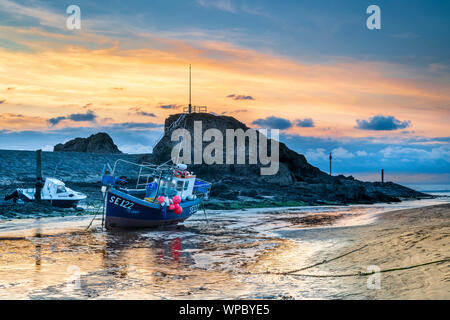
x=39, y=185
x=382, y=175
x=330, y=162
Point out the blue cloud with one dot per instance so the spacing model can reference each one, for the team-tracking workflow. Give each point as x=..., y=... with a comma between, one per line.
x=89, y=116
x=77, y=117
x=240, y=97
x=380, y=122
x=273, y=123
x=140, y=112
x=138, y=125
x=305, y=123
x=170, y=106
x=234, y=111
x=146, y=114
x=54, y=121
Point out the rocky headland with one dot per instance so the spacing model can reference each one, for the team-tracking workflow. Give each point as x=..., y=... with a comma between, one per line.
x=97, y=143
x=296, y=183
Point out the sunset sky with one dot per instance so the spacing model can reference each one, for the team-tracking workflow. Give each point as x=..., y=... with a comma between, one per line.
x=375, y=98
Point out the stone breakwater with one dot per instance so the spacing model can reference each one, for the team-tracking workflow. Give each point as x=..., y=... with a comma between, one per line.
x=80, y=171
x=78, y=167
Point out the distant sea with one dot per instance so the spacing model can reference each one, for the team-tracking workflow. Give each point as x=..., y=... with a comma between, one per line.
x=434, y=189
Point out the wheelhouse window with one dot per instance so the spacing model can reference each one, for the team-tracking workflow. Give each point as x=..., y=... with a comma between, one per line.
x=167, y=188
x=60, y=189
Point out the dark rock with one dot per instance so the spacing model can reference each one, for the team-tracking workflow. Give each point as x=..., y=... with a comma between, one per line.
x=382, y=197
x=96, y=143
x=219, y=188
x=230, y=195
x=249, y=193
x=293, y=166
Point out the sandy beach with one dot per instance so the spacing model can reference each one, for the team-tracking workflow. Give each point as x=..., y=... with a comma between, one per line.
x=294, y=253
x=398, y=239
x=406, y=238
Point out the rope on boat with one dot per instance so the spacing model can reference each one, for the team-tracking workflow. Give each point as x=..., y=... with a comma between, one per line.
x=95, y=215
x=103, y=209
x=204, y=212
x=161, y=165
x=97, y=212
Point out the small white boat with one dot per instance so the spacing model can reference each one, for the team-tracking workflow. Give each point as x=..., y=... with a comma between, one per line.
x=54, y=191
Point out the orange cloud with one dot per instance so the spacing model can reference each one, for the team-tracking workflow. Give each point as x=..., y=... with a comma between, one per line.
x=57, y=78
x=12, y=121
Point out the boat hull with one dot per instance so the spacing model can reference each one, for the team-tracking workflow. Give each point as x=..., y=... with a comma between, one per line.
x=60, y=203
x=63, y=203
x=125, y=211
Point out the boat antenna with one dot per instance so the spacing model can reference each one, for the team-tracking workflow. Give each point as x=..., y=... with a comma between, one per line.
x=190, y=106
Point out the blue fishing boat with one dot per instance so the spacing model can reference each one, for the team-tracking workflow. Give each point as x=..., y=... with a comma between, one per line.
x=163, y=195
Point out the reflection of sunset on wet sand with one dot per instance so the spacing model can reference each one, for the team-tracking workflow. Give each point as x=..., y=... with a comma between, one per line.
x=235, y=258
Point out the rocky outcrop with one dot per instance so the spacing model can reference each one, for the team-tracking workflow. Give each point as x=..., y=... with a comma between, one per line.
x=296, y=178
x=96, y=143
x=292, y=166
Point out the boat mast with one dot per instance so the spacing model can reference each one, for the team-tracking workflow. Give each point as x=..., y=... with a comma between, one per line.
x=39, y=180
x=190, y=106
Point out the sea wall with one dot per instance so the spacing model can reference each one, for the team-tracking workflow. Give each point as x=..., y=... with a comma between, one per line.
x=17, y=167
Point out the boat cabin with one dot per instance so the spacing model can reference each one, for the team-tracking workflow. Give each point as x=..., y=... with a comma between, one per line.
x=184, y=186
x=154, y=181
x=54, y=191
x=180, y=184
x=53, y=188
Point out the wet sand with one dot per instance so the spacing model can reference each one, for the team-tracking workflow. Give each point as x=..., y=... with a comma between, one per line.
x=407, y=238
x=237, y=255
x=398, y=239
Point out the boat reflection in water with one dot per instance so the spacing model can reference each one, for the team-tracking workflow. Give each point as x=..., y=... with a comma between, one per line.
x=109, y=264
x=132, y=252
